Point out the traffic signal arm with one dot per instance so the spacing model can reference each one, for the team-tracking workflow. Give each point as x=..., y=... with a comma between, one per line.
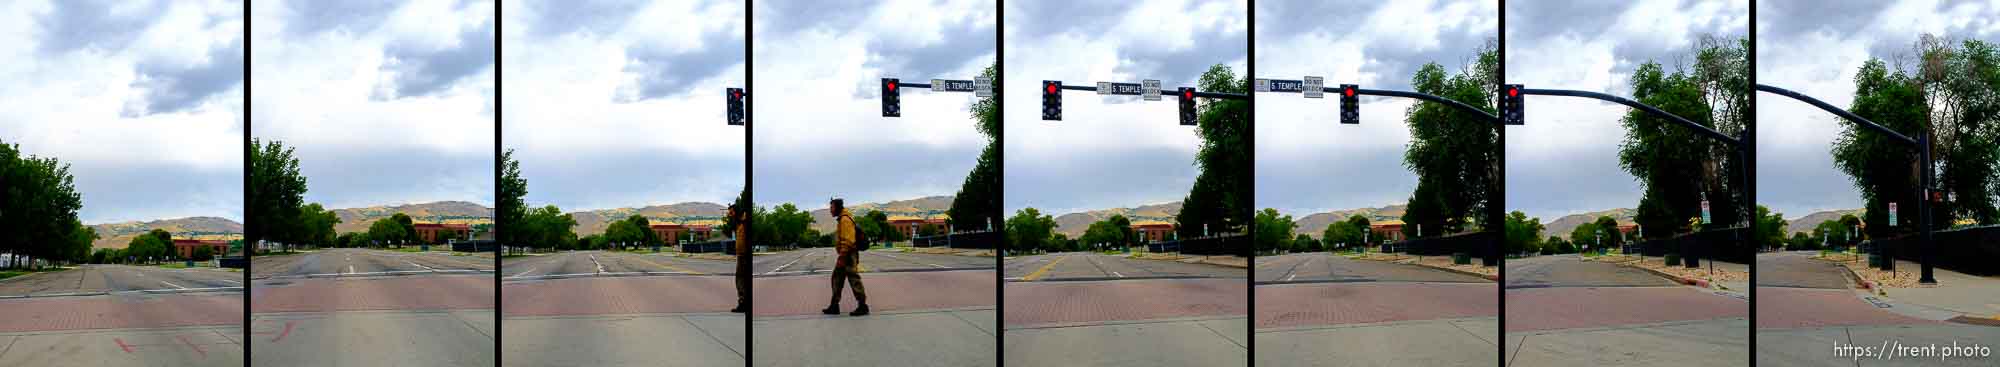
x=1422, y=96
x=1217, y=95
x=1703, y=130
x=1871, y=125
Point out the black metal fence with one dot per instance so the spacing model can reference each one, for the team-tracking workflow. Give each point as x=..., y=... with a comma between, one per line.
x=1728, y=245
x=1484, y=245
x=237, y=262
x=475, y=246
x=1974, y=251
x=1229, y=244
x=973, y=239
x=725, y=246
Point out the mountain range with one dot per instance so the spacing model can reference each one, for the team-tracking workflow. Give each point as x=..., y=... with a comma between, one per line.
x=117, y=235
x=1074, y=224
x=1315, y=224
x=1562, y=226
x=457, y=212
x=1806, y=223
x=589, y=222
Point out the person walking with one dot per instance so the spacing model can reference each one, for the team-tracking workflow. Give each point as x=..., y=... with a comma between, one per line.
x=844, y=268
x=739, y=219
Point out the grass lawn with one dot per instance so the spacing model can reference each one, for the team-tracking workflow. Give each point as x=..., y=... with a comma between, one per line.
x=10, y=273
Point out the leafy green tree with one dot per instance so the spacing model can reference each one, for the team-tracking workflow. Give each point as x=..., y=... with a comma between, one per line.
x=1770, y=227
x=1523, y=235
x=977, y=205
x=1219, y=202
x=1030, y=230
x=1957, y=84
x=1609, y=228
x=276, y=192
x=512, y=208
x=1274, y=231
x=1454, y=153
x=1670, y=161
x=1113, y=232
x=1879, y=167
x=1342, y=233
x=315, y=226
x=203, y=253
x=548, y=227
x=387, y=231
x=38, y=205
x=1305, y=243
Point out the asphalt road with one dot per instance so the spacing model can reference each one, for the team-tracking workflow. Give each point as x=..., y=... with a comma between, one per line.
x=1571, y=271
x=821, y=260
x=1324, y=267
x=365, y=262
x=1067, y=266
x=918, y=318
x=1797, y=269
x=608, y=263
x=100, y=279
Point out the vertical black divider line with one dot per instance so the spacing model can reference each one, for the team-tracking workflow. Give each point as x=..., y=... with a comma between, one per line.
x=248, y=248
x=1250, y=177
x=749, y=195
x=1750, y=184
x=1498, y=200
x=1001, y=216
x=499, y=249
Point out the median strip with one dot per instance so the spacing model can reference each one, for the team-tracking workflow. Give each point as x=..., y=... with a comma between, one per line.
x=1044, y=270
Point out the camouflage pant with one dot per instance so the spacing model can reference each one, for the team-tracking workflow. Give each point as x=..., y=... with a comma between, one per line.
x=844, y=270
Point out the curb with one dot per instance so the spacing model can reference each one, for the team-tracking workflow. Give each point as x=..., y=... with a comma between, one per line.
x=1492, y=277
x=1703, y=283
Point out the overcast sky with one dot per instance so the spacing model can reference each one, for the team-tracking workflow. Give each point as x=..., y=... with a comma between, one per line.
x=620, y=103
x=387, y=102
x=142, y=100
x=1307, y=162
x=1109, y=152
x=819, y=130
x=1565, y=160
x=1816, y=48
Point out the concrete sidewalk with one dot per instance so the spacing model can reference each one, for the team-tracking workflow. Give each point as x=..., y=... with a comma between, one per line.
x=1973, y=296
x=699, y=339
x=1439, y=342
x=373, y=338
x=936, y=337
x=1715, y=342
x=1202, y=341
x=186, y=346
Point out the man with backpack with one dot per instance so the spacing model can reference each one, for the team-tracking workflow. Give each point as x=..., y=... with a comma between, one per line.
x=844, y=268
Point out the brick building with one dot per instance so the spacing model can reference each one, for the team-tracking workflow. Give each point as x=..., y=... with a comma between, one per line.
x=431, y=232
x=186, y=247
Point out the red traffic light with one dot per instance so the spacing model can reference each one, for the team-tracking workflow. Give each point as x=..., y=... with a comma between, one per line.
x=890, y=85
x=1348, y=91
x=1513, y=92
x=1051, y=88
x=1189, y=94
x=739, y=94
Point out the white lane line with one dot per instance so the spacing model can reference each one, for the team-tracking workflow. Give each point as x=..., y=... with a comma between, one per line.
x=525, y=273
x=1119, y=275
x=350, y=269
x=600, y=266
x=914, y=261
x=795, y=260
x=420, y=265
x=1289, y=278
x=230, y=281
x=176, y=286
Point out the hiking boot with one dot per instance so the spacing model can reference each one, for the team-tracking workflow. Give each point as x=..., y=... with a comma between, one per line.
x=740, y=309
x=858, y=311
x=833, y=309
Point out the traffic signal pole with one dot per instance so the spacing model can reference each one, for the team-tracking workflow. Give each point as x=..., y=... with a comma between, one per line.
x=892, y=91
x=1920, y=143
x=1422, y=96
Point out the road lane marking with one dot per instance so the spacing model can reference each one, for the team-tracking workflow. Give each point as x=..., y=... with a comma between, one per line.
x=675, y=268
x=176, y=286
x=525, y=273
x=1044, y=269
x=914, y=261
x=600, y=266
x=419, y=265
x=350, y=269
x=1119, y=275
x=795, y=260
x=231, y=281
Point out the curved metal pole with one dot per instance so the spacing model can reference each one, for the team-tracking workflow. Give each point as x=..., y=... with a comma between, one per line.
x=1422, y=96
x=1837, y=111
x=1703, y=130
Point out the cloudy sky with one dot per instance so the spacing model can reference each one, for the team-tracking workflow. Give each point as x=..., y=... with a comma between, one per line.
x=1565, y=160
x=1109, y=152
x=144, y=100
x=1307, y=162
x=387, y=102
x=819, y=130
x=620, y=103
x=1815, y=48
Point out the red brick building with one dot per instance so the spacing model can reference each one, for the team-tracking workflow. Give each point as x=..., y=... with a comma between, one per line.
x=1152, y=232
x=431, y=232
x=673, y=234
x=908, y=226
x=185, y=247
x=1388, y=230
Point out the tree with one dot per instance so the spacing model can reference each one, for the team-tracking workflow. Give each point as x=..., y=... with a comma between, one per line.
x=1113, y=232
x=1881, y=168
x=1585, y=234
x=387, y=231
x=1342, y=233
x=1770, y=227
x=38, y=206
x=1957, y=84
x=276, y=192
x=315, y=226
x=1608, y=227
x=409, y=228
x=1219, y=202
x=1454, y=153
x=512, y=208
x=929, y=229
x=1523, y=235
x=548, y=228
x=1273, y=230
x=1029, y=230
x=977, y=204
x=203, y=253
x=1305, y=243
x=1670, y=161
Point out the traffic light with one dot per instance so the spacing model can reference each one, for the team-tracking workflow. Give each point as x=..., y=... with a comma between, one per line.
x=1510, y=104
x=1350, y=104
x=1187, y=106
x=892, y=100
x=1051, y=100
x=735, y=105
